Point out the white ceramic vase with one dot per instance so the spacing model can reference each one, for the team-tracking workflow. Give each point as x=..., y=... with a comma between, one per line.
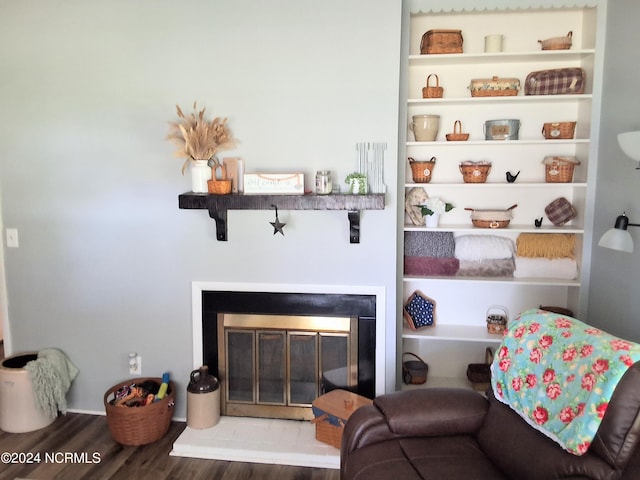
x=200, y=174
x=431, y=221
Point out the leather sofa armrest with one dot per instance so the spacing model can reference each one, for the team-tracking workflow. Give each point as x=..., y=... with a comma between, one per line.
x=433, y=411
x=421, y=412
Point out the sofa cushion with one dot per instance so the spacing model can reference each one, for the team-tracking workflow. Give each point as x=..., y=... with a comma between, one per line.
x=422, y=458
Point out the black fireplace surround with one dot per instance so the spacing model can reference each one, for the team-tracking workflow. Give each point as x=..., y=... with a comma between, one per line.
x=312, y=304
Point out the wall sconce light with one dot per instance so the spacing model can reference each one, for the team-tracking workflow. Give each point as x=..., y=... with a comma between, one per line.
x=617, y=238
x=630, y=144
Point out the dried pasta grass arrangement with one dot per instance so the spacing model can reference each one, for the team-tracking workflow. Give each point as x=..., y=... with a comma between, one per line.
x=198, y=138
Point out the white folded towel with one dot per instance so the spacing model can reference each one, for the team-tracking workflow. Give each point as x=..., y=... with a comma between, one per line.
x=476, y=248
x=561, y=268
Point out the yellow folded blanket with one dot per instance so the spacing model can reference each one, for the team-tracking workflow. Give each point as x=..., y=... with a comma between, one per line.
x=546, y=245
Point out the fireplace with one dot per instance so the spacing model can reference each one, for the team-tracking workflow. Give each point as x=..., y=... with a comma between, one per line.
x=275, y=352
x=276, y=365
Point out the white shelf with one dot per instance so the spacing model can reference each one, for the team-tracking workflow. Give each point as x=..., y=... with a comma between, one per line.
x=466, y=228
x=494, y=185
x=484, y=101
x=457, y=333
x=500, y=143
x=502, y=57
x=543, y=282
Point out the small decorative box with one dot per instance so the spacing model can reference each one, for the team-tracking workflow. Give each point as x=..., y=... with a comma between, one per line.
x=419, y=311
x=292, y=183
x=560, y=211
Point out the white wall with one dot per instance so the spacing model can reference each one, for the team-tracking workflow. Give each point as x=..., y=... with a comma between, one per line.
x=614, y=300
x=106, y=258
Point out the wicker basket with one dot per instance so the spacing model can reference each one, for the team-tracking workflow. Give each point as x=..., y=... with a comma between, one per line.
x=139, y=425
x=432, y=92
x=422, y=171
x=559, y=169
x=441, y=41
x=475, y=172
x=559, y=130
x=414, y=372
x=557, y=43
x=494, y=87
x=497, y=317
x=457, y=135
x=491, y=218
x=222, y=186
x=479, y=374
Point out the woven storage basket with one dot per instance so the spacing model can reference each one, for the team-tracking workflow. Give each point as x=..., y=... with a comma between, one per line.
x=497, y=317
x=441, y=41
x=479, y=374
x=457, y=135
x=432, y=92
x=491, y=218
x=559, y=130
x=557, y=43
x=494, y=87
x=414, y=372
x=474, y=172
x=559, y=169
x=422, y=171
x=139, y=425
x=222, y=186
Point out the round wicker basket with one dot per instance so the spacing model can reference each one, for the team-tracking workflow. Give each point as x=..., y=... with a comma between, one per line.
x=139, y=425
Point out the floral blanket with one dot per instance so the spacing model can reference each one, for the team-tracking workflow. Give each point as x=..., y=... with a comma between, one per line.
x=559, y=374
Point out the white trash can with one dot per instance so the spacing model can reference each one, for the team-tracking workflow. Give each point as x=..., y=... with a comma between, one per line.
x=18, y=410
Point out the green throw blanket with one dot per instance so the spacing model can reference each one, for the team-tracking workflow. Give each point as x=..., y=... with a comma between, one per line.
x=559, y=374
x=51, y=376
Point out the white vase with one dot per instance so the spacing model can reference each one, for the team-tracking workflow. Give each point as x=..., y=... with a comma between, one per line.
x=200, y=174
x=431, y=221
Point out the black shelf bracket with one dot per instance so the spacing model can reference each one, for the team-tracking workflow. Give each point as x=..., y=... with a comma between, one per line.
x=219, y=205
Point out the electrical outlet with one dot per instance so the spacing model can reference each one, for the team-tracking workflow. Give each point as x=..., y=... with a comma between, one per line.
x=135, y=364
x=12, y=237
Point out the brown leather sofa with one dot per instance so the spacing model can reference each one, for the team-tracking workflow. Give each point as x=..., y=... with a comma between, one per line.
x=451, y=434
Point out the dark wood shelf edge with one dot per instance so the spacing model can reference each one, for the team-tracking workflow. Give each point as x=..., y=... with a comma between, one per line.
x=218, y=205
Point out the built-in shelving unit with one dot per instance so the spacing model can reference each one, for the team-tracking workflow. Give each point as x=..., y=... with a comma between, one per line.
x=460, y=336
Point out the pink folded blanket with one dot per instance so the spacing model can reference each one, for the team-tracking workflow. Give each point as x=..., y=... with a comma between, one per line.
x=427, y=266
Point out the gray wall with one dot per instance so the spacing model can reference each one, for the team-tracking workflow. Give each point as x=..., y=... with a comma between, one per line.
x=106, y=258
x=614, y=294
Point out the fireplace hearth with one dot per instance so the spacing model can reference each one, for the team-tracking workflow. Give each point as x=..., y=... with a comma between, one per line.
x=287, y=348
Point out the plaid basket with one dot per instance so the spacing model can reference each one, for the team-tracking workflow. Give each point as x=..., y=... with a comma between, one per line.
x=559, y=81
x=560, y=211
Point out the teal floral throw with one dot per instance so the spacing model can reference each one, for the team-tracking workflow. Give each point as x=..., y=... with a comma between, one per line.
x=559, y=374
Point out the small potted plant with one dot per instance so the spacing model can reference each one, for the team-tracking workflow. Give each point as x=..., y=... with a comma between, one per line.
x=198, y=140
x=432, y=209
x=357, y=183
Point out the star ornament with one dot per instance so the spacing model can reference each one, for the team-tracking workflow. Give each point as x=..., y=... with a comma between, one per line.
x=278, y=226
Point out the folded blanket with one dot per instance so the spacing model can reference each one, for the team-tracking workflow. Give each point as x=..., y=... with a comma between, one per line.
x=476, y=248
x=561, y=268
x=51, y=376
x=429, y=244
x=487, y=268
x=425, y=266
x=559, y=374
x=546, y=245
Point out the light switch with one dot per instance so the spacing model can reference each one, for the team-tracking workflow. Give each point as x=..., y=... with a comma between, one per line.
x=12, y=238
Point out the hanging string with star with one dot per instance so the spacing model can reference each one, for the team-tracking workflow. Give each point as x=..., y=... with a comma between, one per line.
x=278, y=226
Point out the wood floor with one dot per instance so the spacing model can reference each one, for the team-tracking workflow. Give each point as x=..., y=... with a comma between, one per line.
x=78, y=446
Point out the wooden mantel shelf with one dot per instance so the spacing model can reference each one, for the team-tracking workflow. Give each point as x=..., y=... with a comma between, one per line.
x=218, y=205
